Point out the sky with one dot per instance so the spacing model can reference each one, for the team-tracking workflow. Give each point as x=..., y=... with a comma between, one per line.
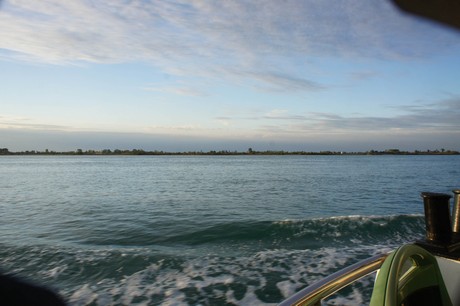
x=191, y=75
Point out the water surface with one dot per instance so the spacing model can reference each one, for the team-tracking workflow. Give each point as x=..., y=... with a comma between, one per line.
x=163, y=230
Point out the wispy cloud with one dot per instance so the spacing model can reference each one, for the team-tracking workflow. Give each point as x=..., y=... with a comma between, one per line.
x=14, y=122
x=284, y=83
x=431, y=125
x=282, y=114
x=216, y=39
x=436, y=117
x=440, y=117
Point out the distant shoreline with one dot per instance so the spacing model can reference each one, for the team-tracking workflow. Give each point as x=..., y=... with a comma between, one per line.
x=250, y=151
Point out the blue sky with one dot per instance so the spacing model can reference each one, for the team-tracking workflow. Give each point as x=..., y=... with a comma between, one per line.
x=225, y=75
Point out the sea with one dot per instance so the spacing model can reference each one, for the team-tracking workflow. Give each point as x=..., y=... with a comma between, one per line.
x=208, y=230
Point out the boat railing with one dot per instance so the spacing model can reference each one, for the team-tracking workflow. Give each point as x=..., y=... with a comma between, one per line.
x=313, y=294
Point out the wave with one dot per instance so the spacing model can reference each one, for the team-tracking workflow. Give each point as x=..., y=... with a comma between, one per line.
x=356, y=228
x=286, y=256
x=292, y=234
x=137, y=277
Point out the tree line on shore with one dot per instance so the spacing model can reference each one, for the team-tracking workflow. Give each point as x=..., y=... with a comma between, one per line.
x=250, y=151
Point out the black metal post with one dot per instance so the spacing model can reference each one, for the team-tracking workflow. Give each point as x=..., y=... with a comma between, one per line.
x=456, y=214
x=437, y=217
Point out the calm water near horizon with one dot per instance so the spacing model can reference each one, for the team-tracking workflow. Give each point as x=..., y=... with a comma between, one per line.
x=206, y=230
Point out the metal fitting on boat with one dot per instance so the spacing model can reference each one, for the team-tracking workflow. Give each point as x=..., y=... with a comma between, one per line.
x=437, y=217
x=456, y=214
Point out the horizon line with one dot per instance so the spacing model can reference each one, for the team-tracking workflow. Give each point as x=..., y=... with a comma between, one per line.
x=250, y=151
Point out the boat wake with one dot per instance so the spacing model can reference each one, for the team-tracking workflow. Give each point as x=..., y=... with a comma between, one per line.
x=241, y=263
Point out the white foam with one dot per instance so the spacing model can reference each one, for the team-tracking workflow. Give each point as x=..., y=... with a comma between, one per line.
x=287, y=287
x=56, y=271
x=83, y=296
x=237, y=280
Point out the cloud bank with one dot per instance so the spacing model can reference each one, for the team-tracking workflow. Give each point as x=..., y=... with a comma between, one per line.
x=429, y=126
x=226, y=40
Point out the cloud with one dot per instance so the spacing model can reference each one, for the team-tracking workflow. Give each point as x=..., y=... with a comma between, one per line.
x=22, y=140
x=441, y=116
x=187, y=129
x=284, y=83
x=430, y=126
x=215, y=39
x=437, y=117
x=225, y=121
x=282, y=114
x=14, y=122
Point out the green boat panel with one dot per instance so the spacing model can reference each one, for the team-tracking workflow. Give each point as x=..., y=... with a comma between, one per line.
x=410, y=276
